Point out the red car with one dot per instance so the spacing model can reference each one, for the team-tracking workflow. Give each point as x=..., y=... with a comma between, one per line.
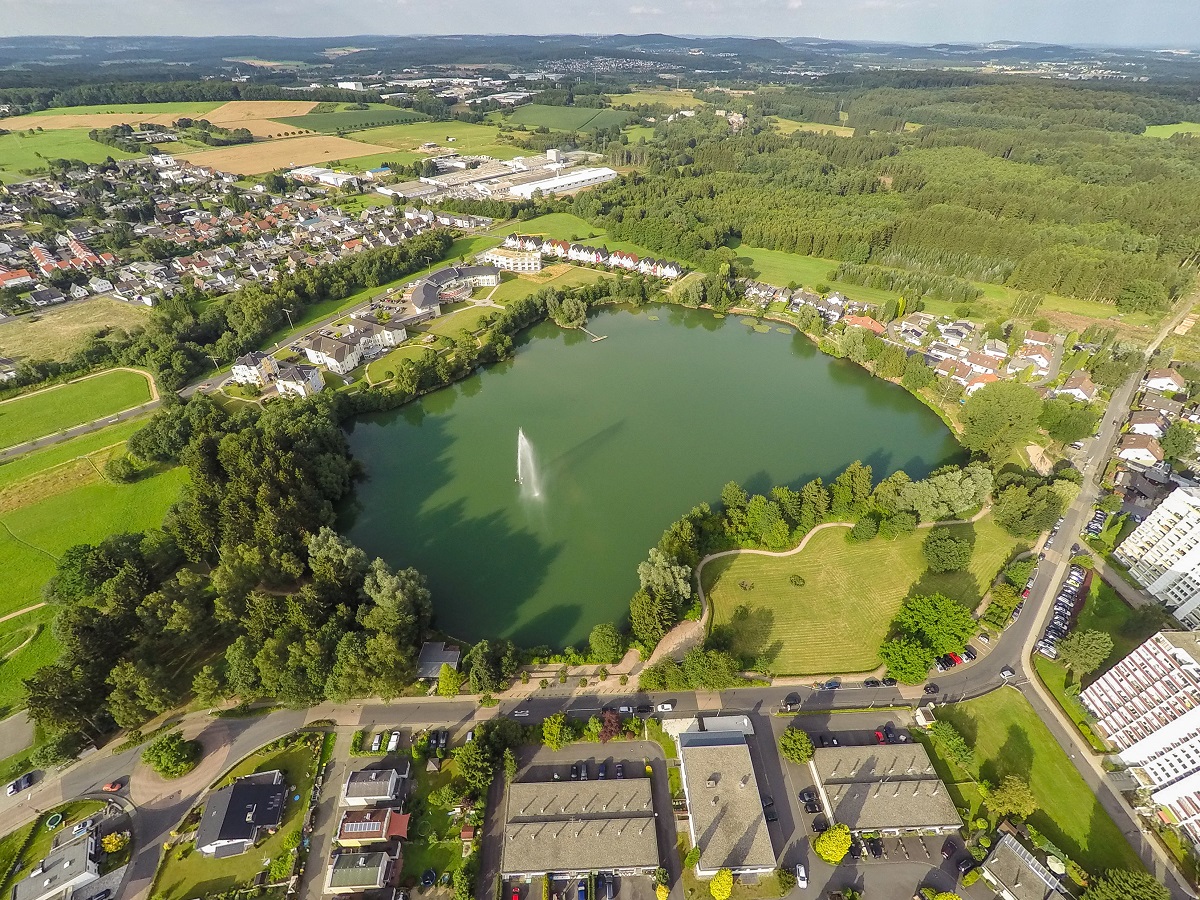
x=956, y=658
x=112, y=787
x=879, y=739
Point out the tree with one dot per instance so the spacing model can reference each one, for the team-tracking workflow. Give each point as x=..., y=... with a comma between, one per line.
x=1012, y=796
x=939, y=623
x=570, y=312
x=692, y=858
x=510, y=764
x=721, y=885
x=787, y=880
x=208, y=687
x=833, y=844
x=1120, y=884
x=606, y=643
x=999, y=416
x=906, y=660
x=1084, y=651
x=796, y=745
x=557, y=732
x=1179, y=442
x=114, y=842
x=952, y=741
x=171, y=755
x=651, y=617
x=944, y=552
x=475, y=765
x=449, y=681
x=664, y=577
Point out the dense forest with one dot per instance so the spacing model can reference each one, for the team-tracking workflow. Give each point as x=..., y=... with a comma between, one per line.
x=1041, y=187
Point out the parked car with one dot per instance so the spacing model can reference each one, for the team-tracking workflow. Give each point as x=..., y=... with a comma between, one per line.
x=820, y=825
x=932, y=689
x=955, y=658
x=875, y=845
x=443, y=738
x=666, y=706
x=520, y=713
x=393, y=743
x=807, y=795
x=516, y=893
x=801, y=877
x=82, y=826
x=889, y=733
x=879, y=739
x=871, y=683
x=644, y=709
x=1007, y=672
x=582, y=894
x=769, y=812
x=602, y=772
x=377, y=742
x=620, y=770
x=583, y=775
x=890, y=682
x=575, y=772
x=112, y=787
x=969, y=654
x=790, y=703
x=625, y=710
x=856, y=849
x=812, y=807
x=949, y=848
x=965, y=865
x=609, y=890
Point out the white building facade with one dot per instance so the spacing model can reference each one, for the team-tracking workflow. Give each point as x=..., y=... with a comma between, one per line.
x=1163, y=554
x=1148, y=707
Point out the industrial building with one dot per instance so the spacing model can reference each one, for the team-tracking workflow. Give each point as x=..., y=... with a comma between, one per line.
x=568, y=181
x=725, y=812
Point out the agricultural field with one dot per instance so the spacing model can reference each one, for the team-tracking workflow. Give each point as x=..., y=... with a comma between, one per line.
x=180, y=108
x=1166, y=131
x=57, y=333
x=836, y=621
x=567, y=118
x=1008, y=738
x=790, y=126
x=353, y=119
x=673, y=99
x=464, y=137
x=57, y=408
x=267, y=156
x=20, y=151
x=637, y=133
x=252, y=114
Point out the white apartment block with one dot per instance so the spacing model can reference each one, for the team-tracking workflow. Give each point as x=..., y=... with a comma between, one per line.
x=513, y=260
x=1148, y=707
x=1163, y=555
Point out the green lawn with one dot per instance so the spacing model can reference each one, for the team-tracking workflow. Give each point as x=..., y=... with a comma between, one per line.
x=1009, y=739
x=516, y=288
x=567, y=118
x=39, y=460
x=1165, y=131
x=21, y=152
x=196, y=876
x=379, y=114
x=464, y=137
x=1104, y=610
x=42, y=649
x=1056, y=677
x=433, y=833
x=183, y=107
x=673, y=99
x=637, y=133
x=790, y=126
x=851, y=592
x=62, y=407
x=567, y=227
x=42, y=836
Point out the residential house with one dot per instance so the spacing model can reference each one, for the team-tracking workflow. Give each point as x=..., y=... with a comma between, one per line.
x=1079, y=387
x=373, y=335
x=237, y=815
x=957, y=332
x=1164, y=380
x=1140, y=449
x=978, y=381
x=1148, y=422
x=1014, y=873
x=65, y=872
x=372, y=787
x=355, y=873
x=255, y=368
x=46, y=296
x=995, y=348
x=1156, y=401
x=363, y=827
x=513, y=260
x=14, y=278
x=1031, y=356
x=914, y=327
x=303, y=381
x=435, y=654
x=337, y=355
x=865, y=322
x=1039, y=339
x=100, y=285
x=956, y=371
x=8, y=368
x=982, y=364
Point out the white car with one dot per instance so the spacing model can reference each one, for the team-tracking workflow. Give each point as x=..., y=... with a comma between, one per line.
x=520, y=713
x=801, y=877
x=1007, y=672
x=666, y=706
x=393, y=742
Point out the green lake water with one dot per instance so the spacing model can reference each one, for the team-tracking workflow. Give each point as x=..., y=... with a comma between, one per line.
x=629, y=433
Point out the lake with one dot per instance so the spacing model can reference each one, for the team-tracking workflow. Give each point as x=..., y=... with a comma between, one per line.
x=629, y=433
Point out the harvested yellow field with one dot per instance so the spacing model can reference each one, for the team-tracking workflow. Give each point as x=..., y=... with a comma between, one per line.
x=87, y=120
x=267, y=128
x=237, y=112
x=267, y=156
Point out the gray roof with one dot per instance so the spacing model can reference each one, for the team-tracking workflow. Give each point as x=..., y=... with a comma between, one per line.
x=236, y=812
x=374, y=783
x=579, y=826
x=1020, y=873
x=871, y=763
x=433, y=654
x=358, y=870
x=65, y=866
x=723, y=801
x=884, y=786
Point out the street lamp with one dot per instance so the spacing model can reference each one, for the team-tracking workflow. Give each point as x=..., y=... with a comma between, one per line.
x=291, y=327
x=216, y=365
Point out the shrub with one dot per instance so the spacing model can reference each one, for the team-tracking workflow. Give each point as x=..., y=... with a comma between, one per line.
x=171, y=755
x=114, y=842
x=970, y=878
x=787, y=880
x=833, y=845
x=721, y=886
x=692, y=858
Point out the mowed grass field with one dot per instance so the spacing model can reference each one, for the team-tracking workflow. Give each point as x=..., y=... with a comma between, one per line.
x=559, y=276
x=182, y=108
x=22, y=151
x=54, y=409
x=674, y=99
x=837, y=620
x=1165, y=131
x=790, y=126
x=57, y=333
x=1009, y=739
x=465, y=137
x=353, y=119
x=567, y=118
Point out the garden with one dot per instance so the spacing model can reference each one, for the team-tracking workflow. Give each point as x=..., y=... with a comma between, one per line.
x=21, y=849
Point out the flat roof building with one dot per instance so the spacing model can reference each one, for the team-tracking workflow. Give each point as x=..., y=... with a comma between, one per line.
x=568, y=181
x=724, y=806
x=891, y=788
x=65, y=870
x=353, y=873
x=1163, y=553
x=576, y=827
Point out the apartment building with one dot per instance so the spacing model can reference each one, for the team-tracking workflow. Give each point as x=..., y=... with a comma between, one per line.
x=1163, y=554
x=1148, y=707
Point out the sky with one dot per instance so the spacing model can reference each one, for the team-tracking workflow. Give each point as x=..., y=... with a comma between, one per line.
x=1119, y=23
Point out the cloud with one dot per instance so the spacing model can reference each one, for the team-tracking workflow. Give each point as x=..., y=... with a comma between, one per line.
x=645, y=11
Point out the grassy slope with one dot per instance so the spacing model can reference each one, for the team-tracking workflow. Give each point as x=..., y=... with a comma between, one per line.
x=40, y=651
x=1165, y=131
x=468, y=138
x=1009, y=739
x=57, y=333
x=838, y=619
x=567, y=118
x=567, y=227
x=788, y=126
x=58, y=408
x=30, y=151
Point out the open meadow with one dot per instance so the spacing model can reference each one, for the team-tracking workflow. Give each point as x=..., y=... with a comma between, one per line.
x=63, y=406
x=179, y=108
x=56, y=333
x=1166, y=131
x=1008, y=738
x=353, y=119
x=21, y=151
x=836, y=621
x=267, y=156
x=567, y=118
x=673, y=99
x=464, y=137
x=790, y=126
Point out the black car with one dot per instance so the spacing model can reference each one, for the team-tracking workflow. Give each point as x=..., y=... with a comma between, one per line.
x=965, y=865
x=575, y=772
x=808, y=795
x=856, y=849
x=820, y=825
x=644, y=709
x=932, y=689
x=620, y=769
x=813, y=806
x=790, y=703
x=603, y=772
x=875, y=845
x=103, y=895
x=890, y=682
x=871, y=683
x=969, y=654
x=583, y=776
x=949, y=848
x=889, y=733
x=769, y=812
x=824, y=741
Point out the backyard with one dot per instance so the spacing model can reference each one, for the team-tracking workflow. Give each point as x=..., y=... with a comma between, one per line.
x=837, y=619
x=184, y=873
x=1008, y=738
x=434, y=832
x=58, y=408
x=39, y=846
